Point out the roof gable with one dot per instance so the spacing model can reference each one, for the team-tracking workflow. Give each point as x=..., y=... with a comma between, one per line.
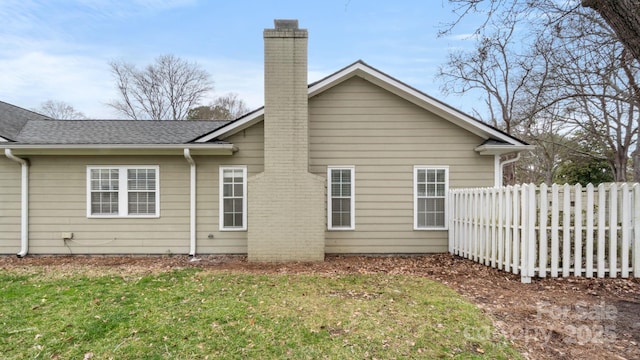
x=363, y=70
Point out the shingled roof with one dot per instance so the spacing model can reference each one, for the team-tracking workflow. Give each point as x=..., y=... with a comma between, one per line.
x=13, y=118
x=113, y=131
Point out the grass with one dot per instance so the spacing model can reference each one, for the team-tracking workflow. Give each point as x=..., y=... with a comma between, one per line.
x=197, y=314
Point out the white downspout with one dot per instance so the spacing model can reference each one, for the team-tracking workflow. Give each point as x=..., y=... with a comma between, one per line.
x=24, y=207
x=192, y=206
x=502, y=164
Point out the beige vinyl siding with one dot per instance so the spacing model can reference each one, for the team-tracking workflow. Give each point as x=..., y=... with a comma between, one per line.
x=251, y=154
x=10, y=181
x=384, y=137
x=58, y=204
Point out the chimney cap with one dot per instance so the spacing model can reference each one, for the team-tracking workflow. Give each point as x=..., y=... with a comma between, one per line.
x=282, y=24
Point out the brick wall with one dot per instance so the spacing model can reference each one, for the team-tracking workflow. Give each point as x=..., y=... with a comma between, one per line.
x=286, y=202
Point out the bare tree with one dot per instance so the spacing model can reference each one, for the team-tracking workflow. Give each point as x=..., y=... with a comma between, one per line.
x=164, y=90
x=597, y=82
x=581, y=77
x=60, y=110
x=623, y=16
x=225, y=107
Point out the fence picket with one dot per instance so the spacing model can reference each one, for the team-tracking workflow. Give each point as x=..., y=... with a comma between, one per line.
x=602, y=228
x=530, y=252
x=613, y=230
x=566, y=230
x=508, y=226
x=517, y=229
x=577, y=234
x=492, y=244
x=542, y=231
x=589, y=235
x=555, y=222
x=515, y=265
x=500, y=244
x=626, y=222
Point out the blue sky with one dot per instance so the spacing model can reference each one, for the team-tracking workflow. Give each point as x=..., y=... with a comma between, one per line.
x=59, y=50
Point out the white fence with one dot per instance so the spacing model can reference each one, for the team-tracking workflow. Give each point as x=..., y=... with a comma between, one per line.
x=549, y=231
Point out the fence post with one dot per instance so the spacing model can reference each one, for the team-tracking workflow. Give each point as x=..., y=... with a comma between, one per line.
x=451, y=235
x=528, y=245
x=524, y=238
x=636, y=231
x=508, y=228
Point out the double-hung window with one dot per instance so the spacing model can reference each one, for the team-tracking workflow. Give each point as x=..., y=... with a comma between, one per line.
x=233, y=198
x=123, y=191
x=430, y=197
x=341, y=198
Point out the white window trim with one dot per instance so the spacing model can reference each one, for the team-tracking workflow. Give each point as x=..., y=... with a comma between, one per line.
x=353, y=198
x=415, y=197
x=221, y=198
x=123, y=189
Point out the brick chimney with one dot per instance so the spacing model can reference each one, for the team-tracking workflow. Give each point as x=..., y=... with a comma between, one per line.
x=286, y=202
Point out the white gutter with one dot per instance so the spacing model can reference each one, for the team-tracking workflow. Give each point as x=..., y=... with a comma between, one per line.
x=502, y=164
x=192, y=206
x=24, y=207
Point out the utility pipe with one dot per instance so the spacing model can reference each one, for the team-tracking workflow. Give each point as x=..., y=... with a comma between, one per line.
x=24, y=207
x=192, y=207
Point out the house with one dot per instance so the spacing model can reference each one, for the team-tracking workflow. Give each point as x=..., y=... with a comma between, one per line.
x=357, y=162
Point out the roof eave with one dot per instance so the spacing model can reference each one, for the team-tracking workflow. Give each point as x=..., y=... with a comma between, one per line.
x=502, y=149
x=233, y=127
x=119, y=149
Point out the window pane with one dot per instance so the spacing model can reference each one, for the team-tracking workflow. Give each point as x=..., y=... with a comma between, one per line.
x=142, y=203
x=422, y=190
x=346, y=190
x=104, y=203
x=233, y=182
x=141, y=179
x=341, y=196
x=430, y=197
x=431, y=176
x=228, y=220
x=104, y=179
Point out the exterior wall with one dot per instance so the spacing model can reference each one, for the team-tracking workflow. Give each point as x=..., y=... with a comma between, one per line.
x=10, y=174
x=383, y=136
x=57, y=204
x=251, y=154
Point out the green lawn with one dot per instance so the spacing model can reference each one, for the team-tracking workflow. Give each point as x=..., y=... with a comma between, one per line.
x=200, y=314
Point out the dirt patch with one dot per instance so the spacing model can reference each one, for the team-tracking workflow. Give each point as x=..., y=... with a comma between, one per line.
x=563, y=318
